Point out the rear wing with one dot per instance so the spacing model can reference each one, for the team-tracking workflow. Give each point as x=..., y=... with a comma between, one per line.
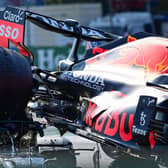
x=70, y=28
x=12, y=28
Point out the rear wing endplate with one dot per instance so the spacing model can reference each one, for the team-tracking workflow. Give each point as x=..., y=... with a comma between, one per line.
x=12, y=24
x=12, y=28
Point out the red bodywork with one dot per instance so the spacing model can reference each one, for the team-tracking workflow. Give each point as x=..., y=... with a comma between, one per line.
x=149, y=53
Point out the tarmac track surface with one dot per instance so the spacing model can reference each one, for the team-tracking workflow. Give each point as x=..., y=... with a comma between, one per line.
x=82, y=153
x=88, y=154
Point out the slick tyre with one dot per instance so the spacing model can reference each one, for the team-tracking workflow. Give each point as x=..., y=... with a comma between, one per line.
x=15, y=84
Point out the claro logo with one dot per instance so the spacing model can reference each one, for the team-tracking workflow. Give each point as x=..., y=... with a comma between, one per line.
x=8, y=15
x=8, y=32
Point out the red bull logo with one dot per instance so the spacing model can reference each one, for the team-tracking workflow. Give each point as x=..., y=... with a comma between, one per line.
x=115, y=123
x=149, y=54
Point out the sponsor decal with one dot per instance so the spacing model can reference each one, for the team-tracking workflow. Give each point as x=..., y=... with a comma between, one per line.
x=16, y=16
x=154, y=62
x=91, y=109
x=111, y=123
x=86, y=80
x=126, y=136
x=119, y=123
x=138, y=131
x=142, y=119
x=12, y=22
x=11, y=31
x=114, y=118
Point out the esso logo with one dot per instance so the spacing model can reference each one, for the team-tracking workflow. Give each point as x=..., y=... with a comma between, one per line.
x=9, y=32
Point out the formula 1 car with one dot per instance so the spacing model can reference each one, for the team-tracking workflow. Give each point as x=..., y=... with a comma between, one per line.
x=116, y=96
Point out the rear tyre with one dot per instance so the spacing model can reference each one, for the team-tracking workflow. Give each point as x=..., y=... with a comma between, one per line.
x=15, y=84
